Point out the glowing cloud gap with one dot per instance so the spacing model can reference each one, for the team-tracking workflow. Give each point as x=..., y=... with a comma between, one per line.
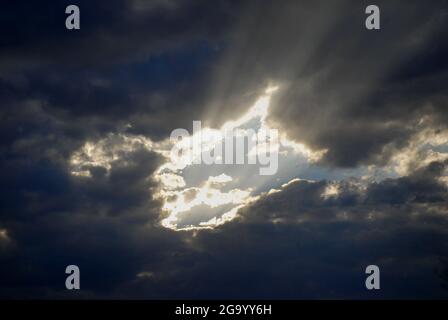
x=197, y=196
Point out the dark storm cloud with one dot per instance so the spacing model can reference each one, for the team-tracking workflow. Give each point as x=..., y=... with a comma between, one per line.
x=290, y=244
x=144, y=63
x=116, y=31
x=53, y=218
x=420, y=187
x=161, y=64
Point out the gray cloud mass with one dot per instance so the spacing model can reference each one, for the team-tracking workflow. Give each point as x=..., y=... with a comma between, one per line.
x=149, y=67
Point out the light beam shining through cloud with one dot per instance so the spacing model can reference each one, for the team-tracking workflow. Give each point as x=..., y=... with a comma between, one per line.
x=198, y=195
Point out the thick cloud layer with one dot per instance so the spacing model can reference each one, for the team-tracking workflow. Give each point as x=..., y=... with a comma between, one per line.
x=295, y=243
x=149, y=67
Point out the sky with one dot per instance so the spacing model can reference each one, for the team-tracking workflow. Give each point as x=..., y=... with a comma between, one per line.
x=89, y=177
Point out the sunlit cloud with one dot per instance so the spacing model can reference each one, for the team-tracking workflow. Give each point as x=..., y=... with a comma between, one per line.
x=3, y=234
x=145, y=275
x=171, y=181
x=203, y=198
x=196, y=195
x=104, y=152
x=210, y=195
x=427, y=145
x=332, y=190
x=4, y=238
x=246, y=184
